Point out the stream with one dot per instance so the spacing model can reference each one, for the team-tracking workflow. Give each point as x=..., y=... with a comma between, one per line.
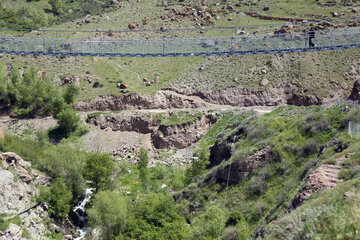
x=80, y=213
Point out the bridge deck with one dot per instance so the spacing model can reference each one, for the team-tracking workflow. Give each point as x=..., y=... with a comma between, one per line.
x=174, y=47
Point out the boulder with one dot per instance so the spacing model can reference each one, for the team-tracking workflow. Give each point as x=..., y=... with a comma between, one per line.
x=13, y=232
x=355, y=93
x=132, y=26
x=13, y=158
x=264, y=82
x=123, y=85
x=163, y=28
x=344, y=85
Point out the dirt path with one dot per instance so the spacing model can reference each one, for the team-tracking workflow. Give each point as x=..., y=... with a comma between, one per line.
x=325, y=176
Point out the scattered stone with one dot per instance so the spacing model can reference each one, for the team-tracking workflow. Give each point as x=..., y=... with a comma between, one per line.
x=132, y=26
x=335, y=14
x=163, y=186
x=163, y=28
x=13, y=232
x=14, y=159
x=354, y=10
x=266, y=8
x=349, y=195
x=263, y=71
x=264, y=82
x=122, y=85
x=230, y=19
x=344, y=85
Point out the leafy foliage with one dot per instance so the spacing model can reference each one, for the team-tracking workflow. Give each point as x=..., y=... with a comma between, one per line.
x=60, y=199
x=109, y=212
x=143, y=168
x=98, y=170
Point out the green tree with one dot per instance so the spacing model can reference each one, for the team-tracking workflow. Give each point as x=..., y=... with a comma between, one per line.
x=156, y=217
x=98, y=169
x=108, y=212
x=57, y=104
x=207, y=224
x=68, y=120
x=143, y=169
x=198, y=166
x=57, y=6
x=61, y=197
x=70, y=93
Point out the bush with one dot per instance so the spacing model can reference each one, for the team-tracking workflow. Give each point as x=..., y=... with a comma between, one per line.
x=308, y=149
x=156, y=217
x=233, y=219
x=68, y=120
x=142, y=166
x=71, y=92
x=44, y=194
x=60, y=201
x=109, y=212
x=231, y=233
x=98, y=169
x=257, y=186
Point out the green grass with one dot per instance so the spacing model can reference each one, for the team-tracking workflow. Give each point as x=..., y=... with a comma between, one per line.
x=306, y=73
x=179, y=118
x=5, y=224
x=267, y=192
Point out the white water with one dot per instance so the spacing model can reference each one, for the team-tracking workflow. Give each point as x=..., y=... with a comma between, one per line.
x=80, y=213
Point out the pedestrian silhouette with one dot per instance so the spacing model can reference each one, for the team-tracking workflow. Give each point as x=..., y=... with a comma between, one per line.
x=311, y=36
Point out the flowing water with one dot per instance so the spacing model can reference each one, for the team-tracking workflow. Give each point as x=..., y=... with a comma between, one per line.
x=80, y=213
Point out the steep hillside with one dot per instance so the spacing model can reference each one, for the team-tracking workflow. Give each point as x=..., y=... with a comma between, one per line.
x=228, y=147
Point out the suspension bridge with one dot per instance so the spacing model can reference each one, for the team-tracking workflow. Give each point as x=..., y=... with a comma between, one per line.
x=345, y=38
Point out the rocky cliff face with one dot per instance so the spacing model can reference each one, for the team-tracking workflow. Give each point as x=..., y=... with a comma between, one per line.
x=241, y=168
x=161, y=100
x=162, y=136
x=18, y=188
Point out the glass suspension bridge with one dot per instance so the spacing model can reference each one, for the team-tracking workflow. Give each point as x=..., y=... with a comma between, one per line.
x=333, y=39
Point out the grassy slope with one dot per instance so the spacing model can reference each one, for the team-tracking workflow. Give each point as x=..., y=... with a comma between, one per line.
x=308, y=71
x=267, y=192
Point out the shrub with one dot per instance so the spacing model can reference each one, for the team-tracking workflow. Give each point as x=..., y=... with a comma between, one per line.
x=44, y=194
x=142, y=166
x=71, y=92
x=308, y=148
x=98, y=169
x=231, y=233
x=257, y=185
x=68, y=120
x=233, y=219
x=61, y=197
x=108, y=212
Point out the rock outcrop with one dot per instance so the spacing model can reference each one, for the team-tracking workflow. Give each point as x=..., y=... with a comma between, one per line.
x=355, y=93
x=18, y=186
x=241, y=168
x=161, y=100
x=162, y=136
x=183, y=135
x=324, y=177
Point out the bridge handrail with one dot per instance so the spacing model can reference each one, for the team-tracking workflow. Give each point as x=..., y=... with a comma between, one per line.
x=257, y=36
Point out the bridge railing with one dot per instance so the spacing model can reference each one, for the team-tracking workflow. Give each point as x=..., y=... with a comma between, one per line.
x=269, y=43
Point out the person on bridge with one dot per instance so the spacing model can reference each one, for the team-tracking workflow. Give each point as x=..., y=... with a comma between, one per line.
x=311, y=36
